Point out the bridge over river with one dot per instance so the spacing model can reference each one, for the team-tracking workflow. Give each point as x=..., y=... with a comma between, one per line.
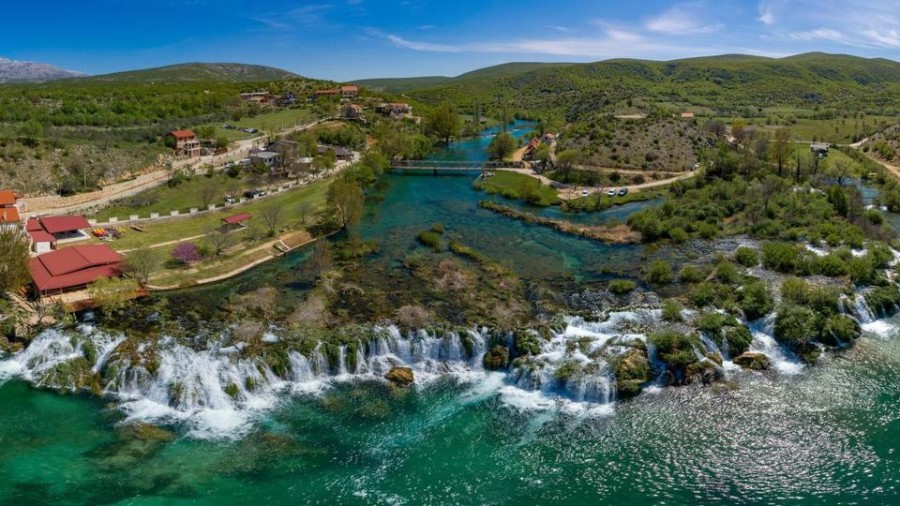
x=437, y=166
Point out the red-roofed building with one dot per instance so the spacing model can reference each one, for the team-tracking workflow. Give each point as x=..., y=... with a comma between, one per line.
x=73, y=268
x=237, y=218
x=184, y=142
x=326, y=93
x=349, y=91
x=9, y=213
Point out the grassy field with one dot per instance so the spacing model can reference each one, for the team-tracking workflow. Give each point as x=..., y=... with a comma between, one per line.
x=834, y=157
x=834, y=131
x=278, y=121
x=183, y=197
x=289, y=201
x=512, y=185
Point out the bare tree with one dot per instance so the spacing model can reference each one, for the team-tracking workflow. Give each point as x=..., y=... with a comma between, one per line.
x=207, y=193
x=271, y=218
x=218, y=241
x=304, y=210
x=144, y=261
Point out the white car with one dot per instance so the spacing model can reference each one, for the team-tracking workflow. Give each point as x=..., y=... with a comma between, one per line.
x=612, y=192
x=584, y=193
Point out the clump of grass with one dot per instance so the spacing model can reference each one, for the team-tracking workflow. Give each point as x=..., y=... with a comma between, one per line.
x=430, y=239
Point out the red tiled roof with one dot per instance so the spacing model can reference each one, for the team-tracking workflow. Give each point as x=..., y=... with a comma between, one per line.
x=327, y=92
x=41, y=236
x=7, y=198
x=237, y=218
x=33, y=225
x=350, y=87
x=74, y=267
x=182, y=134
x=60, y=224
x=9, y=215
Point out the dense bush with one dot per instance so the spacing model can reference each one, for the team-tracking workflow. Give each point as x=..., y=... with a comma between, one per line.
x=756, y=301
x=675, y=349
x=691, y=274
x=430, y=239
x=659, y=273
x=748, y=257
x=621, y=286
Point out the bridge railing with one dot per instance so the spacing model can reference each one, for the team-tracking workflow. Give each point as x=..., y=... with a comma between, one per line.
x=457, y=164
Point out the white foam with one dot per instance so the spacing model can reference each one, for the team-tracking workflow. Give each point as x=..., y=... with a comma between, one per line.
x=880, y=328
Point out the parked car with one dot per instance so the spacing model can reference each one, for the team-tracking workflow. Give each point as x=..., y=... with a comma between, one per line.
x=229, y=199
x=229, y=127
x=612, y=192
x=249, y=130
x=584, y=193
x=623, y=192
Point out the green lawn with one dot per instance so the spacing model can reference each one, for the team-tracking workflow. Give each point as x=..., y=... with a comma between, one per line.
x=183, y=197
x=834, y=157
x=278, y=121
x=289, y=201
x=513, y=185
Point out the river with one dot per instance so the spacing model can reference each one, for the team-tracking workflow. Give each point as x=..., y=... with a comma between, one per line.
x=797, y=434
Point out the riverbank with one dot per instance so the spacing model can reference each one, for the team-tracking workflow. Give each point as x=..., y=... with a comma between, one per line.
x=615, y=234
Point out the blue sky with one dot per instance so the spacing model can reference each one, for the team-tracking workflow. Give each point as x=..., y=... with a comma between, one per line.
x=347, y=39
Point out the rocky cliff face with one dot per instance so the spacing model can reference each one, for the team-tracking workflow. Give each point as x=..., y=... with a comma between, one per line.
x=12, y=71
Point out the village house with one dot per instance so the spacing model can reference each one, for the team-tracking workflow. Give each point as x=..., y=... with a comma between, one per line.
x=340, y=153
x=352, y=112
x=325, y=93
x=257, y=97
x=349, y=91
x=73, y=268
x=531, y=148
x=184, y=142
x=820, y=149
x=687, y=115
x=286, y=100
x=270, y=159
x=289, y=150
x=396, y=109
x=9, y=212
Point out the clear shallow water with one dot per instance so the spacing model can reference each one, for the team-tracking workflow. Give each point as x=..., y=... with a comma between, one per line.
x=828, y=435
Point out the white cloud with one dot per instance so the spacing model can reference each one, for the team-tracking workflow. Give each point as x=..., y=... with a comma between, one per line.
x=769, y=11
x=683, y=19
x=820, y=34
x=887, y=38
x=563, y=29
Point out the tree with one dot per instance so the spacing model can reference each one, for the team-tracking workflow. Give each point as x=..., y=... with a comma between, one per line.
x=205, y=131
x=111, y=294
x=716, y=128
x=143, y=262
x=186, y=253
x=566, y=161
x=739, y=130
x=781, y=148
x=14, y=267
x=839, y=171
x=304, y=209
x=31, y=131
x=218, y=241
x=271, y=218
x=345, y=201
x=222, y=142
x=443, y=123
x=502, y=146
x=544, y=156
x=208, y=192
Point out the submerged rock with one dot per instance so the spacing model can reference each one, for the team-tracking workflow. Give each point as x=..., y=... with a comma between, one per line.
x=400, y=376
x=753, y=360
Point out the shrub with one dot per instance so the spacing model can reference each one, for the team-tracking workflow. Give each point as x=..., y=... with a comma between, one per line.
x=756, y=301
x=884, y=299
x=438, y=228
x=675, y=349
x=704, y=295
x=832, y=266
x=621, y=286
x=678, y=235
x=659, y=273
x=780, y=256
x=748, y=257
x=691, y=274
x=795, y=290
x=496, y=358
x=671, y=310
x=738, y=338
x=797, y=326
x=840, y=328
x=727, y=273
x=186, y=253
x=430, y=239
x=861, y=270
x=712, y=322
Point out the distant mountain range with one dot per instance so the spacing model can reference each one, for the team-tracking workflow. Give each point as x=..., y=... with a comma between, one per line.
x=14, y=71
x=198, y=72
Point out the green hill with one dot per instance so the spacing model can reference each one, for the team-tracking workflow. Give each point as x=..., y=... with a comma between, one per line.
x=195, y=72
x=724, y=85
x=402, y=84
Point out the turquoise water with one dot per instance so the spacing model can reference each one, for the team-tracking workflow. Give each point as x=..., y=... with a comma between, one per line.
x=828, y=434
